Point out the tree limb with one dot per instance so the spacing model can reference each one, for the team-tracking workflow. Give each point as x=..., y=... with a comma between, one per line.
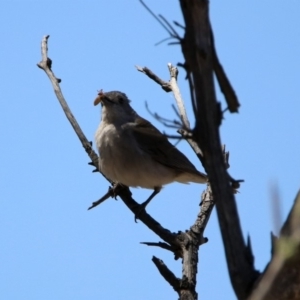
x=224, y=83
x=167, y=274
x=173, y=86
x=193, y=238
x=198, y=53
x=45, y=65
x=160, y=245
x=177, y=95
x=164, y=84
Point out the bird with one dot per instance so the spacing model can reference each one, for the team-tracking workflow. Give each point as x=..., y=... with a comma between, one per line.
x=134, y=153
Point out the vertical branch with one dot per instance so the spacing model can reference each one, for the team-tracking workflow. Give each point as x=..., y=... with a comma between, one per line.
x=198, y=53
x=175, y=89
x=191, y=239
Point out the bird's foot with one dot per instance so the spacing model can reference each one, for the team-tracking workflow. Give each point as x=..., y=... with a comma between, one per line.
x=115, y=188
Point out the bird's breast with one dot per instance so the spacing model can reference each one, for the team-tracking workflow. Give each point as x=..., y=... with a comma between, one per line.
x=122, y=160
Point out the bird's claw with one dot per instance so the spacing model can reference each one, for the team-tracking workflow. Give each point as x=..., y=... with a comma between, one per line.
x=113, y=190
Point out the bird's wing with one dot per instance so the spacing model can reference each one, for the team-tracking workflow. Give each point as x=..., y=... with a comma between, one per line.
x=153, y=142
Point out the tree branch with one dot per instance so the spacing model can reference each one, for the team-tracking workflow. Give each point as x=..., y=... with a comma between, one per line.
x=177, y=95
x=160, y=245
x=224, y=83
x=173, y=86
x=167, y=274
x=164, y=84
x=45, y=65
x=193, y=238
x=198, y=53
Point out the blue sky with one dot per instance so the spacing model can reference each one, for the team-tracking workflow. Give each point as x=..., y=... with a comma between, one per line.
x=51, y=246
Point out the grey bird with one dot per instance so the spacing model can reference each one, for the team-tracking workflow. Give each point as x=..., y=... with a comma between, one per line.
x=135, y=153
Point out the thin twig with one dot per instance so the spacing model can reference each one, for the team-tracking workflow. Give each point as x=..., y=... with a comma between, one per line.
x=174, y=32
x=164, y=23
x=173, y=86
x=166, y=122
x=176, y=111
x=164, y=84
x=112, y=192
x=174, y=137
x=160, y=245
x=175, y=89
x=179, y=25
x=174, y=43
x=163, y=40
x=224, y=83
x=156, y=18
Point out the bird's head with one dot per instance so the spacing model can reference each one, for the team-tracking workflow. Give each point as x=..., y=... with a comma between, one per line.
x=115, y=107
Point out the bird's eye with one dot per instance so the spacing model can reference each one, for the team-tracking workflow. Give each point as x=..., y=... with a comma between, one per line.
x=121, y=100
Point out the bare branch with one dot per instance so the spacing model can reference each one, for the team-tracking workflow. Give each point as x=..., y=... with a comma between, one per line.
x=164, y=23
x=224, y=83
x=166, y=122
x=164, y=84
x=44, y=65
x=175, y=89
x=157, y=19
x=160, y=245
x=192, y=239
x=207, y=205
x=179, y=25
x=173, y=31
x=163, y=40
x=170, y=86
x=175, y=111
x=173, y=86
x=199, y=63
x=192, y=143
x=167, y=274
x=112, y=192
x=174, y=137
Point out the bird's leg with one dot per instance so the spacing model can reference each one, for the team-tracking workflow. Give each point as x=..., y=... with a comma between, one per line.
x=143, y=205
x=154, y=193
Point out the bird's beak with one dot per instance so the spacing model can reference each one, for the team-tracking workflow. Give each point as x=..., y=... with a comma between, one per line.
x=99, y=98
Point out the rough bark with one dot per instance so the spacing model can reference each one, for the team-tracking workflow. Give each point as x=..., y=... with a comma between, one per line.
x=197, y=48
